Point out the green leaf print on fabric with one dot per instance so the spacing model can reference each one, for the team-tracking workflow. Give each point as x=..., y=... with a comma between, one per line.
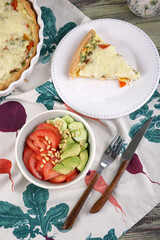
x=143, y=111
x=48, y=95
x=110, y=236
x=157, y=106
x=37, y=221
x=4, y=97
x=147, y=111
x=11, y=215
x=50, y=34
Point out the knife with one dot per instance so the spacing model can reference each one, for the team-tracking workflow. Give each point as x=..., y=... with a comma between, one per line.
x=125, y=159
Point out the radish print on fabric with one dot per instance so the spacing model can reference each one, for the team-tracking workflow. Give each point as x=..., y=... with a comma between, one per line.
x=101, y=186
x=5, y=167
x=13, y=116
x=135, y=167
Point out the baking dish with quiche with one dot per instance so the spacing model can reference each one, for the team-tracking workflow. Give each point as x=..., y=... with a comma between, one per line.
x=21, y=38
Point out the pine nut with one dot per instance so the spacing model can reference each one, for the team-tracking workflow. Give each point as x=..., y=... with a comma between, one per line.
x=46, y=138
x=43, y=154
x=53, y=149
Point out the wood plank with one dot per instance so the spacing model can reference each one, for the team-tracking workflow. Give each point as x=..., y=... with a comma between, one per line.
x=119, y=10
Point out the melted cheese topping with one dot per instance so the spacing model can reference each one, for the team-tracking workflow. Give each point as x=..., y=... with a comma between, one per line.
x=106, y=63
x=16, y=31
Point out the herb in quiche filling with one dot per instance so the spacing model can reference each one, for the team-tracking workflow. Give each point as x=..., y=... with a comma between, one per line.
x=90, y=46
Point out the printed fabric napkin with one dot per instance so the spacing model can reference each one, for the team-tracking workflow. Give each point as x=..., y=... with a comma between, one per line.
x=29, y=212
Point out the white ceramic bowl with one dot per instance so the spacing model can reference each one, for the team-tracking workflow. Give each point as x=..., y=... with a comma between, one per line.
x=34, y=60
x=28, y=128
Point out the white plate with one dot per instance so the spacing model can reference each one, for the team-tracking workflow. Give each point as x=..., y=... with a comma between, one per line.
x=105, y=99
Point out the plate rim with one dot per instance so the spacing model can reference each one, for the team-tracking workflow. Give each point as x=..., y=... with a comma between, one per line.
x=105, y=116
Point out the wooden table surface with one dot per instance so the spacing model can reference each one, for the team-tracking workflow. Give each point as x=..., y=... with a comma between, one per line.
x=149, y=227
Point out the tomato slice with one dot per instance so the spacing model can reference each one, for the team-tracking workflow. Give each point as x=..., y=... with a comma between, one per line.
x=39, y=166
x=29, y=47
x=14, y=4
x=71, y=173
x=58, y=179
x=26, y=155
x=103, y=46
x=51, y=127
x=32, y=145
x=32, y=164
x=39, y=138
x=40, y=156
x=72, y=176
x=48, y=172
x=122, y=84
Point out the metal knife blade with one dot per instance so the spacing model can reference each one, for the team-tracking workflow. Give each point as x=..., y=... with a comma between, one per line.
x=125, y=159
x=132, y=146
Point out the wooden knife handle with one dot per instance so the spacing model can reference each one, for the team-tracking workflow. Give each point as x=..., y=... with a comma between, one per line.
x=105, y=196
x=75, y=211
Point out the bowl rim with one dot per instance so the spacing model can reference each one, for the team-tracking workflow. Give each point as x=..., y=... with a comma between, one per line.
x=46, y=184
x=34, y=60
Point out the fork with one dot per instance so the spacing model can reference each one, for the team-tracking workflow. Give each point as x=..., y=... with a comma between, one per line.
x=107, y=158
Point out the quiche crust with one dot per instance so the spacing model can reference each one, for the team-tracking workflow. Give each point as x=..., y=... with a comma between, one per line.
x=76, y=57
x=16, y=75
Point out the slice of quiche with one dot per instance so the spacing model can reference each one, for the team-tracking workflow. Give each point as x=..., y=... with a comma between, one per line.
x=19, y=36
x=96, y=59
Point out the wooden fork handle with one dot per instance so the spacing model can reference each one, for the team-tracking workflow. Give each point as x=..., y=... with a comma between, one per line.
x=105, y=196
x=75, y=211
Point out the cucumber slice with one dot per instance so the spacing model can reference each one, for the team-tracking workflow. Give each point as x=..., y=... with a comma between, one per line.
x=75, y=125
x=68, y=119
x=59, y=122
x=80, y=135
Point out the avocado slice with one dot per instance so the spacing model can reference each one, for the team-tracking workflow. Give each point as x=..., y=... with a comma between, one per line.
x=67, y=165
x=84, y=158
x=61, y=169
x=72, y=149
x=65, y=142
x=83, y=146
x=71, y=162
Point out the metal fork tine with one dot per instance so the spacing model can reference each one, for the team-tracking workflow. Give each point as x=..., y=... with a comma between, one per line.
x=116, y=147
x=116, y=144
x=120, y=146
x=109, y=148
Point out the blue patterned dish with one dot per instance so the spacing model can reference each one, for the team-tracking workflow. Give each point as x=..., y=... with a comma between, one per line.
x=144, y=8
